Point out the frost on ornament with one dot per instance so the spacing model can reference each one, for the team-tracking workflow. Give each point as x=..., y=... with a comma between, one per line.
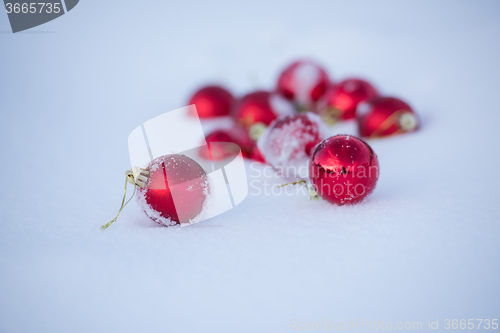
x=176, y=192
x=303, y=82
x=288, y=142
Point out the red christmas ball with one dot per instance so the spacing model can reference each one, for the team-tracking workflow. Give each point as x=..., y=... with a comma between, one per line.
x=383, y=116
x=218, y=152
x=256, y=155
x=341, y=100
x=343, y=169
x=287, y=143
x=212, y=101
x=303, y=82
x=261, y=107
x=176, y=190
x=236, y=134
x=242, y=138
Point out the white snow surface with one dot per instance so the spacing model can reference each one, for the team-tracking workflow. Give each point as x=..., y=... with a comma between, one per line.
x=424, y=246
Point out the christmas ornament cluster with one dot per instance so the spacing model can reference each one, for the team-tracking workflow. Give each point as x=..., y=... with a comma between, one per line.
x=289, y=128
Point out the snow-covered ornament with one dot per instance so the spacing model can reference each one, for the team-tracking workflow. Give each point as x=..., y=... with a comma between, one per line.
x=287, y=143
x=303, y=83
x=172, y=189
x=341, y=100
x=212, y=101
x=384, y=116
x=343, y=169
x=176, y=191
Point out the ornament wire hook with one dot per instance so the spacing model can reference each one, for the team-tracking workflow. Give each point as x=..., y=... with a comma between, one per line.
x=104, y=227
x=137, y=177
x=311, y=192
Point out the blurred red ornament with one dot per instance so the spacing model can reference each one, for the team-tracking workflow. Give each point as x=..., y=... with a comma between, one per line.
x=340, y=102
x=261, y=107
x=218, y=152
x=287, y=143
x=242, y=138
x=236, y=134
x=304, y=83
x=343, y=169
x=212, y=101
x=173, y=178
x=383, y=116
x=256, y=155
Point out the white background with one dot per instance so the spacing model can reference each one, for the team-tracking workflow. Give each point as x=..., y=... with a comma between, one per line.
x=424, y=246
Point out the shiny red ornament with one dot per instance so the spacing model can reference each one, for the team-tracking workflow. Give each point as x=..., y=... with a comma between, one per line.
x=212, y=101
x=174, y=178
x=383, y=116
x=287, y=143
x=341, y=100
x=304, y=83
x=261, y=107
x=343, y=169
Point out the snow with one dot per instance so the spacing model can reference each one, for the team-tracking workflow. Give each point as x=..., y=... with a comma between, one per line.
x=424, y=246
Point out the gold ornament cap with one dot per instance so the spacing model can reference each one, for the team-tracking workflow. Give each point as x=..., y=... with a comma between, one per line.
x=137, y=176
x=408, y=121
x=256, y=130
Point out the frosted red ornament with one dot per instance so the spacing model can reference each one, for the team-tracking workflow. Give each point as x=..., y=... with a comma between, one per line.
x=261, y=107
x=384, y=116
x=341, y=100
x=304, y=83
x=176, y=191
x=287, y=143
x=212, y=101
x=343, y=169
